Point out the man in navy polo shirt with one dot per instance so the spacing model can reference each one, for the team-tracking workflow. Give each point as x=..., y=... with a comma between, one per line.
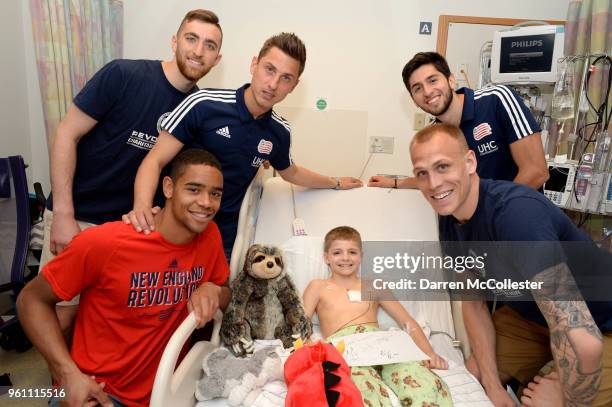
x=551, y=321
x=113, y=122
x=240, y=128
x=497, y=125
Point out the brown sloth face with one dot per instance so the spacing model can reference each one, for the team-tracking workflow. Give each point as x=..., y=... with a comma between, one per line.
x=265, y=262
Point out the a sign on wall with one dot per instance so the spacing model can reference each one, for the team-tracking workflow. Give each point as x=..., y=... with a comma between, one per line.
x=425, y=27
x=321, y=103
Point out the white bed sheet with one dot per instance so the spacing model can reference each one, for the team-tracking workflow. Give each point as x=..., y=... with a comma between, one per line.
x=464, y=388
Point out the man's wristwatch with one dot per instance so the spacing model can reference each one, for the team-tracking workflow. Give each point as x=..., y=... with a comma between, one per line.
x=337, y=179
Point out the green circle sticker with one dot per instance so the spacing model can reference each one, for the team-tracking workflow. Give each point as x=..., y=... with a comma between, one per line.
x=321, y=104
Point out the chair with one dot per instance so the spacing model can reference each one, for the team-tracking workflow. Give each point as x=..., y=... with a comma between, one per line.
x=14, y=230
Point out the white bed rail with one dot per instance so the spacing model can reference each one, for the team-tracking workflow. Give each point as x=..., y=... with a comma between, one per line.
x=171, y=386
x=249, y=209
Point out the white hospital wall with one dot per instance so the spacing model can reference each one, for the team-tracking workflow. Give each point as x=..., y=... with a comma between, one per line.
x=39, y=157
x=356, y=50
x=14, y=106
x=12, y=82
x=20, y=107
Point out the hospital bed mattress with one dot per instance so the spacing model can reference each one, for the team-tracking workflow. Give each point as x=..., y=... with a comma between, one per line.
x=378, y=214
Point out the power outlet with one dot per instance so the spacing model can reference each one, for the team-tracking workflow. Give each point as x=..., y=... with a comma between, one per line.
x=420, y=120
x=461, y=70
x=462, y=75
x=383, y=145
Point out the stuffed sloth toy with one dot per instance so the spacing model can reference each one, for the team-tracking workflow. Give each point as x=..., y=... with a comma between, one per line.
x=264, y=305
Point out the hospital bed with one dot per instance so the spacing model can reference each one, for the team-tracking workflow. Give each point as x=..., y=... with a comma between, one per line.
x=267, y=213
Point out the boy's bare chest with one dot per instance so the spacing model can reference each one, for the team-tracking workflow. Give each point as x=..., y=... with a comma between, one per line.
x=337, y=301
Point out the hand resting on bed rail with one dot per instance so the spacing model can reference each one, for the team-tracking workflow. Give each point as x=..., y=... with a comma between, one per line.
x=206, y=300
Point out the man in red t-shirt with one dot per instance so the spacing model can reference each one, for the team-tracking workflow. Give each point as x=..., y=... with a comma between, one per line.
x=135, y=290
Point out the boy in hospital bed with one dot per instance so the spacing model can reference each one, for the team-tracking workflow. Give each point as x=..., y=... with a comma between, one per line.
x=412, y=382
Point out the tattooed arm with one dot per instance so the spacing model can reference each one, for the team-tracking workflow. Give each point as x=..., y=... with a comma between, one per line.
x=575, y=341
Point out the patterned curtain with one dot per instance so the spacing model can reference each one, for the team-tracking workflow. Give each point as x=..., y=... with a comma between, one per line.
x=72, y=40
x=588, y=30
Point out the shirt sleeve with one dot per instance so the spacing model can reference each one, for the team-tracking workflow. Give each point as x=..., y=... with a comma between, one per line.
x=281, y=158
x=102, y=91
x=183, y=122
x=513, y=116
x=78, y=266
x=526, y=237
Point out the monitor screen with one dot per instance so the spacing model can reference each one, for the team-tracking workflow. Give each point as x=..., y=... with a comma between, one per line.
x=557, y=180
x=529, y=53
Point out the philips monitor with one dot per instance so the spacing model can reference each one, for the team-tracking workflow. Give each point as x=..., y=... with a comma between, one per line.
x=527, y=55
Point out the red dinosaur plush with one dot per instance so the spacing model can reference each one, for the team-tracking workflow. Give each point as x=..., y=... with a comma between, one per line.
x=317, y=375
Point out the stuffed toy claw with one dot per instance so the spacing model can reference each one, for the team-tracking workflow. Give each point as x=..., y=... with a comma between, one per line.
x=244, y=346
x=302, y=327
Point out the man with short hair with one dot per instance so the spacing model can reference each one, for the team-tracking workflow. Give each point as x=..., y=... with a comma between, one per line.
x=549, y=321
x=113, y=122
x=135, y=290
x=496, y=123
x=240, y=127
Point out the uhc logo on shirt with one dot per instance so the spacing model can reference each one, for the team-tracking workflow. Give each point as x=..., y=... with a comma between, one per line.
x=481, y=131
x=264, y=146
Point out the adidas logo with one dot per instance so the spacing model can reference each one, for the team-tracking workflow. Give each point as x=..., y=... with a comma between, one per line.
x=173, y=264
x=224, y=131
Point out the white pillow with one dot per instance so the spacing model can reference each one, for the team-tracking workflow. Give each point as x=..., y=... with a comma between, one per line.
x=303, y=257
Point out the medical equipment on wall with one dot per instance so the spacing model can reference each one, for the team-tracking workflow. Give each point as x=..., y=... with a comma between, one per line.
x=537, y=101
x=591, y=117
x=562, y=107
x=563, y=96
x=523, y=55
x=574, y=113
x=484, y=70
x=584, y=88
x=602, y=152
x=560, y=183
x=589, y=187
x=578, y=186
x=594, y=202
x=544, y=135
x=607, y=202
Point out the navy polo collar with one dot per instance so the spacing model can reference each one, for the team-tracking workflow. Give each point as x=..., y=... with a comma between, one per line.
x=468, y=111
x=243, y=111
